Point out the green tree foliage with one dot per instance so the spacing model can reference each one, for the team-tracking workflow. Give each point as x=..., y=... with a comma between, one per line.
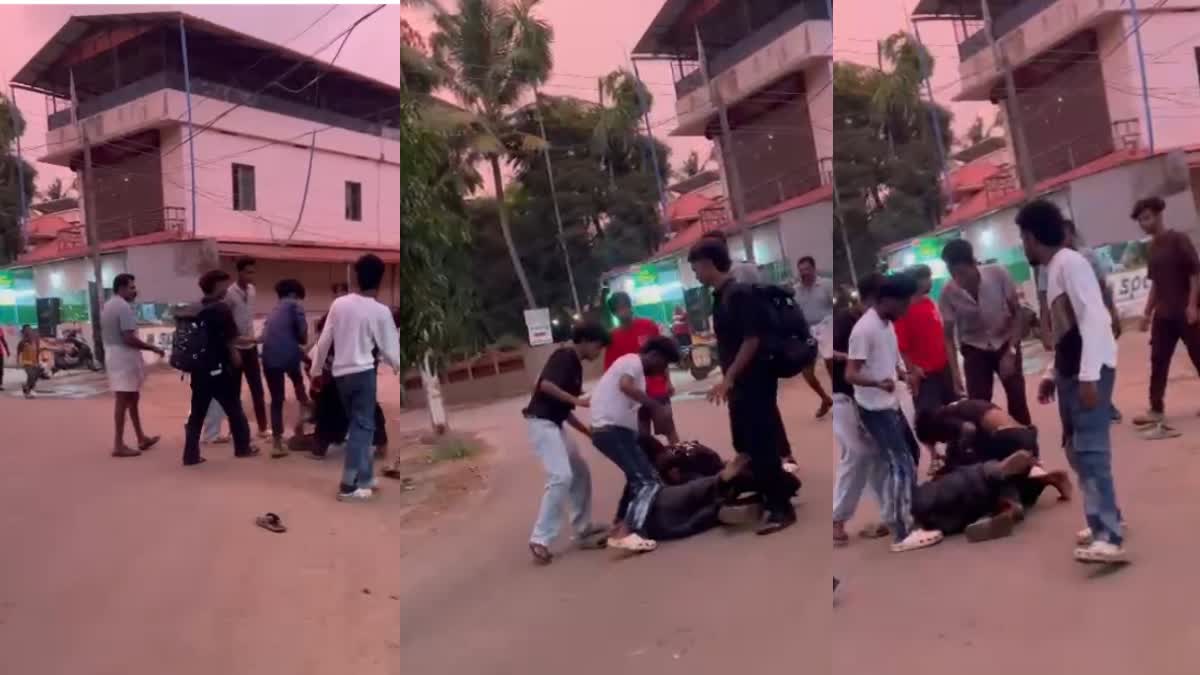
x=492, y=54
x=12, y=125
x=435, y=238
x=887, y=164
x=607, y=194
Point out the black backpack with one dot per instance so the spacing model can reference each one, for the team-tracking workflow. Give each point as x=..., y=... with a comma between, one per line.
x=189, y=354
x=788, y=345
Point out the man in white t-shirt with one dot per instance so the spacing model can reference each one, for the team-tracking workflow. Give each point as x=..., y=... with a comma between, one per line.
x=873, y=367
x=1085, y=362
x=614, y=405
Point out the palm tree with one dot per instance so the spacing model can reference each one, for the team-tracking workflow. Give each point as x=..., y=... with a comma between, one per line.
x=691, y=166
x=617, y=123
x=493, y=54
x=54, y=190
x=897, y=97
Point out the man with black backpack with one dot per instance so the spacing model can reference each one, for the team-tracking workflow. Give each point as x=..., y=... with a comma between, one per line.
x=206, y=348
x=742, y=320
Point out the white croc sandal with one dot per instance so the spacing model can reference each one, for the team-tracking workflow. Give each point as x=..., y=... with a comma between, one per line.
x=918, y=539
x=633, y=544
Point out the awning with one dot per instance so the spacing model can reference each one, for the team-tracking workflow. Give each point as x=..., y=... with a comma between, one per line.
x=303, y=252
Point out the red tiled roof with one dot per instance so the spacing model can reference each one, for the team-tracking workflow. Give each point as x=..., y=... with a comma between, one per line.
x=47, y=227
x=972, y=176
x=983, y=203
x=303, y=251
x=687, y=208
x=692, y=234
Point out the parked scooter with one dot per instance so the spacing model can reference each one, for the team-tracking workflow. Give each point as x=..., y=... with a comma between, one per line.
x=72, y=352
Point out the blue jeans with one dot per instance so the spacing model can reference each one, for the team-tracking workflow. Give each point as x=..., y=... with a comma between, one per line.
x=892, y=435
x=357, y=392
x=1088, y=445
x=620, y=445
x=860, y=465
x=568, y=482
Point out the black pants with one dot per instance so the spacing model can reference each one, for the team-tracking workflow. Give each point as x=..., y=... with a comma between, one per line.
x=935, y=391
x=275, y=385
x=684, y=510
x=1165, y=335
x=755, y=428
x=952, y=501
x=252, y=373
x=781, y=437
x=980, y=368
x=1, y=370
x=226, y=389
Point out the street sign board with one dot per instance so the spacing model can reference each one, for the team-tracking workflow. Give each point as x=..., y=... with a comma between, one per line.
x=538, y=323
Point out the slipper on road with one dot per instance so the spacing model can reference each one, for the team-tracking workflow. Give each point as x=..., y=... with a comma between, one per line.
x=917, y=539
x=271, y=522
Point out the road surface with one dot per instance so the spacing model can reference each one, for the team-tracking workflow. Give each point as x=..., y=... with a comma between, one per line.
x=1022, y=604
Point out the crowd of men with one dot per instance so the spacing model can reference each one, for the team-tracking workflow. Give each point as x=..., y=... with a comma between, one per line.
x=986, y=468
x=672, y=490
x=222, y=350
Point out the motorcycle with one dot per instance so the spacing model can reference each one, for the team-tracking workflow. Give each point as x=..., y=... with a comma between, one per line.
x=71, y=352
x=700, y=356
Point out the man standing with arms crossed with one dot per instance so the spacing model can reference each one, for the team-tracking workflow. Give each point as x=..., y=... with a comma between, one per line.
x=1173, y=308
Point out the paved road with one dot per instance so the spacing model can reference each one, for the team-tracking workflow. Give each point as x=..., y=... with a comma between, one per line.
x=473, y=604
x=141, y=567
x=1022, y=604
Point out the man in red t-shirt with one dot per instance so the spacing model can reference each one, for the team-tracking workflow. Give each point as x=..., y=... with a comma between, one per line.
x=920, y=334
x=628, y=338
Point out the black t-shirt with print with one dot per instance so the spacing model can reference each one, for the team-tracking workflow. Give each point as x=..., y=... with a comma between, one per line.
x=564, y=370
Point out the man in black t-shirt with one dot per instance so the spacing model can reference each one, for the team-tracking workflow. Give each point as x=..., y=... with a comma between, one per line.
x=740, y=322
x=559, y=390
x=219, y=381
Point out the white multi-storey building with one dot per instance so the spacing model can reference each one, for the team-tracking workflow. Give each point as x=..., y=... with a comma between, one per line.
x=228, y=147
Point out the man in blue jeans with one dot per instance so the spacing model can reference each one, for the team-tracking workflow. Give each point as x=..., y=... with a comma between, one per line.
x=872, y=366
x=359, y=326
x=1085, y=363
x=615, y=402
x=559, y=390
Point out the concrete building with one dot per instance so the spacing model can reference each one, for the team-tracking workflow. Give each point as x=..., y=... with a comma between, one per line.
x=770, y=64
x=285, y=158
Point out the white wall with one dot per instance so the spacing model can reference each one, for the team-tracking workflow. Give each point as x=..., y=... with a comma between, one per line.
x=1171, y=73
x=809, y=231
x=1101, y=202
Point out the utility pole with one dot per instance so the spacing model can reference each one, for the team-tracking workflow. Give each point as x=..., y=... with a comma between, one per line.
x=731, y=166
x=562, y=238
x=1137, y=38
x=1012, y=106
x=88, y=204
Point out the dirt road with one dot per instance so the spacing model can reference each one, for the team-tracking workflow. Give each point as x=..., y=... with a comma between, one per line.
x=1023, y=604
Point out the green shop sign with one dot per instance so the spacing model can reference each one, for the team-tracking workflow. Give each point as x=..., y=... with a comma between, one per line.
x=646, y=275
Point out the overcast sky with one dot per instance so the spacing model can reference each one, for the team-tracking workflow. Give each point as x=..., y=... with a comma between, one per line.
x=371, y=50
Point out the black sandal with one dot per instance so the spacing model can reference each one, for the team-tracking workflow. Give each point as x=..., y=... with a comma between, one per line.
x=270, y=522
x=541, y=554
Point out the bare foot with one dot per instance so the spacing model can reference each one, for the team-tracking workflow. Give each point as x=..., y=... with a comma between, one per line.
x=126, y=451
x=1060, y=481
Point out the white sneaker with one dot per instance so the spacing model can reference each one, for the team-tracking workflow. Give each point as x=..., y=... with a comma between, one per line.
x=1084, y=537
x=1101, y=552
x=359, y=495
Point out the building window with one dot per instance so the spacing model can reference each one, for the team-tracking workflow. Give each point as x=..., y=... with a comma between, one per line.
x=243, y=188
x=353, y=201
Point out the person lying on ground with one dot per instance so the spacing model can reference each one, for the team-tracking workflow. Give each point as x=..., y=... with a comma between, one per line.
x=978, y=499
x=680, y=511
x=682, y=463
x=977, y=431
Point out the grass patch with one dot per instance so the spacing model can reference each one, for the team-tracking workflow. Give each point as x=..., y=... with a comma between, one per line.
x=453, y=448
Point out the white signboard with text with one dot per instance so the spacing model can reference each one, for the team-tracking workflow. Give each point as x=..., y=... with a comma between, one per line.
x=1130, y=290
x=538, y=323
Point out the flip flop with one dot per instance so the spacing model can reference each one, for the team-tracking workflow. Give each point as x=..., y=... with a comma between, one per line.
x=632, y=543
x=149, y=443
x=917, y=539
x=270, y=522
x=1159, y=432
x=877, y=531
x=126, y=452
x=993, y=527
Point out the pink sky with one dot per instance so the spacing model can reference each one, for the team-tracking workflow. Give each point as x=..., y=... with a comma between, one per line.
x=859, y=24
x=25, y=28
x=592, y=39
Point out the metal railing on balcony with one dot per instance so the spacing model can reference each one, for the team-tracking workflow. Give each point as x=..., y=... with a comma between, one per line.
x=723, y=57
x=1005, y=19
x=114, y=227
x=220, y=92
